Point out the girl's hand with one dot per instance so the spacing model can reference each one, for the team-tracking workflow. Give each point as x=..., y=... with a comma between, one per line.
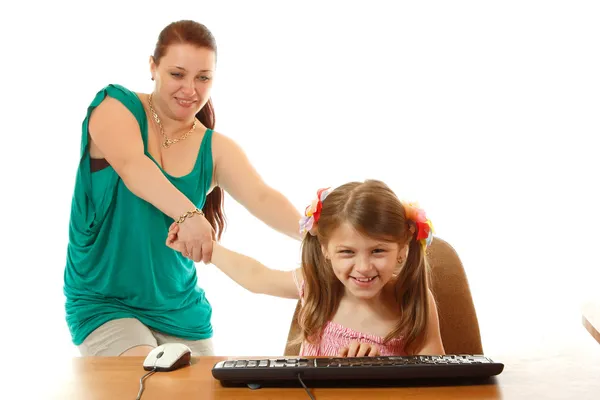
x=172, y=240
x=357, y=349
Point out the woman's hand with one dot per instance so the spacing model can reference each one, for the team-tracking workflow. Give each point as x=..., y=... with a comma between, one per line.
x=357, y=349
x=193, y=238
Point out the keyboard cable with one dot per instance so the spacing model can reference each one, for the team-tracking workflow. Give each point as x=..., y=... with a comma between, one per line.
x=305, y=388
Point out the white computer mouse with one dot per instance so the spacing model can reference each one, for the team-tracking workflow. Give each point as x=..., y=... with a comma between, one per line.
x=168, y=357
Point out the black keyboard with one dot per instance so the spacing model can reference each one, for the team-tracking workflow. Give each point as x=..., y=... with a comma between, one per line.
x=353, y=369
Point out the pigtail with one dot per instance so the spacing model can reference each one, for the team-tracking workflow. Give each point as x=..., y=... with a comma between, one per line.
x=322, y=290
x=412, y=294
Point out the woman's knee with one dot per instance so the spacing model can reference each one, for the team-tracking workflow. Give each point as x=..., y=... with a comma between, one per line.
x=124, y=336
x=201, y=347
x=137, y=351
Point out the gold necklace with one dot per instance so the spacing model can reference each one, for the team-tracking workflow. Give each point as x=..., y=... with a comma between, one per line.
x=168, y=142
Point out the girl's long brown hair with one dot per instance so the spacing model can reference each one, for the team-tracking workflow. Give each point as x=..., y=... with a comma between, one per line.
x=373, y=209
x=192, y=32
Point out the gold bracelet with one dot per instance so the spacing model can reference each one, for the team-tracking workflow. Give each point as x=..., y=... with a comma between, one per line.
x=189, y=214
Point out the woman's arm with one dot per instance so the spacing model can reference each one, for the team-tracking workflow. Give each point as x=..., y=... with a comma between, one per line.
x=235, y=174
x=432, y=344
x=115, y=136
x=253, y=275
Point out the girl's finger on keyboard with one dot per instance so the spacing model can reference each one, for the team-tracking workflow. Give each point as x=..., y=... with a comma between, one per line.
x=374, y=351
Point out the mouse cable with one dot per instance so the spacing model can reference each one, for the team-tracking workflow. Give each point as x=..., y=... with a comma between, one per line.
x=305, y=388
x=139, y=396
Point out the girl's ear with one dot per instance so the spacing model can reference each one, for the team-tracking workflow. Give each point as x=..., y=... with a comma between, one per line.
x=403, y=252
x=324, y=251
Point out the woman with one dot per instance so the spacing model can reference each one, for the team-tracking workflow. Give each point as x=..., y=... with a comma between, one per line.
x=148, y=160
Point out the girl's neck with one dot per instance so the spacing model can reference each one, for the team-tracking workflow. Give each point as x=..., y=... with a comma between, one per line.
x=377, y=316
x=377, y=304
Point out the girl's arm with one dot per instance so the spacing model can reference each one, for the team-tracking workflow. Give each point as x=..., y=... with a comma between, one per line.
x=432, y=344
x=253, y=275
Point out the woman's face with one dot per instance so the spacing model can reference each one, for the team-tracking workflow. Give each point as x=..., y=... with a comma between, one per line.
x=183, y=79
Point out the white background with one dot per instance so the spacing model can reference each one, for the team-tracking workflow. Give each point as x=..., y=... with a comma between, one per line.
x=484, y=112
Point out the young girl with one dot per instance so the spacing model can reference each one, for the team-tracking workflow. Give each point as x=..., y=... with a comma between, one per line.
x=363, y=282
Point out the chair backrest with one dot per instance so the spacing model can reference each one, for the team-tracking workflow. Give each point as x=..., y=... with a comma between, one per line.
x=459, y=325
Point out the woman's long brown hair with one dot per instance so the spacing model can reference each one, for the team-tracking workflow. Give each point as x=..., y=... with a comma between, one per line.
x=191, y=32
x=373, y=209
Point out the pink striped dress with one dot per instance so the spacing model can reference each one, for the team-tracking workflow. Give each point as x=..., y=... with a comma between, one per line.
x=335, y=337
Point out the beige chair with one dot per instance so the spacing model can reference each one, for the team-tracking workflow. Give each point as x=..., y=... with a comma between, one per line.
x=458, y=320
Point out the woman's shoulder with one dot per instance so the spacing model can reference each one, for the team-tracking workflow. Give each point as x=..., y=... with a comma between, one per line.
x=118, y=92
x=225, y=146
x=117, y=100
x=117, y=87
x=114, y=89
x=221, y=139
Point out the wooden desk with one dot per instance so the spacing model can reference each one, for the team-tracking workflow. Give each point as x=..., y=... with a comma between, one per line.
x=567, y=373
x=591, y=319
